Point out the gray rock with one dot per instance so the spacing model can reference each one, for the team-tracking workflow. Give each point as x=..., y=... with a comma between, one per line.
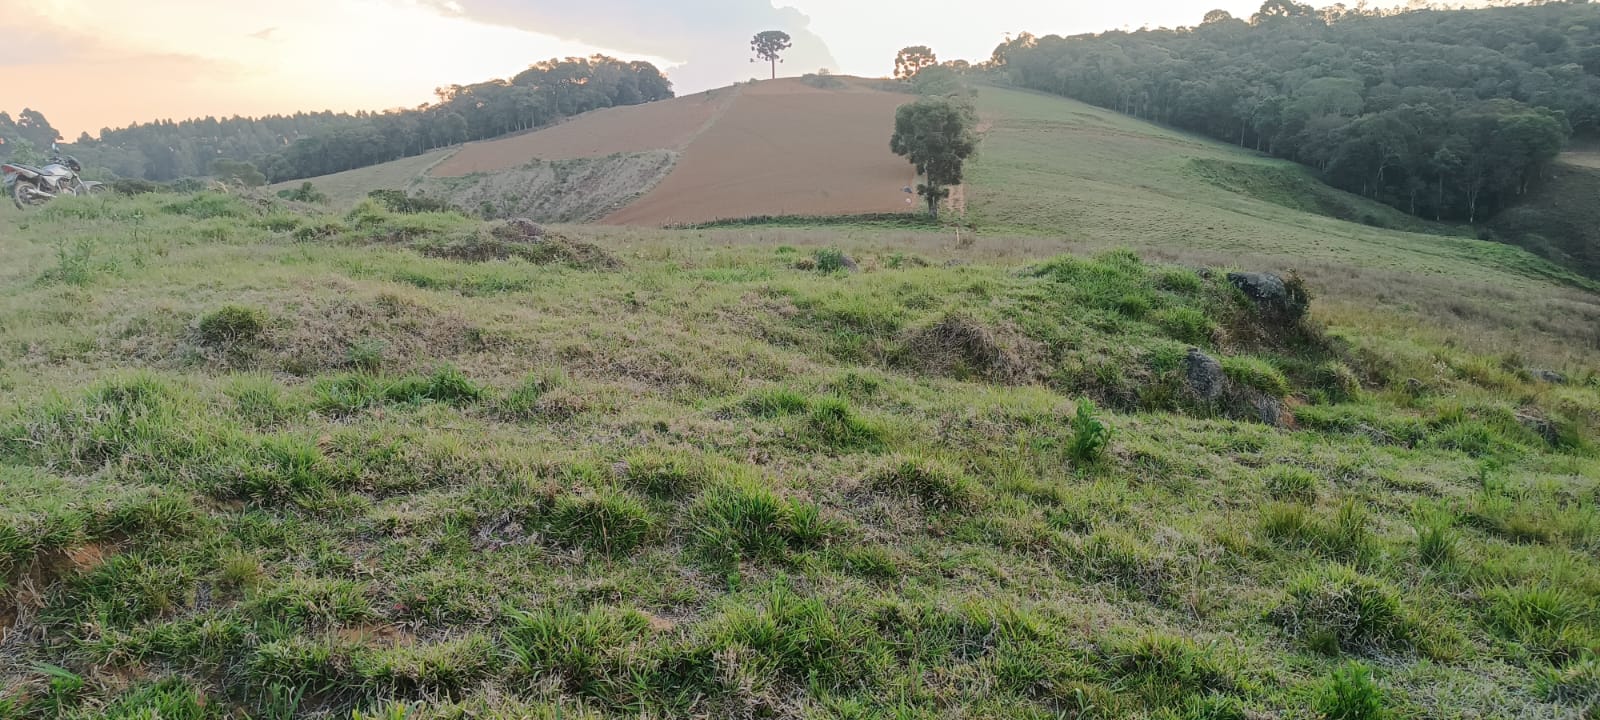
x=1275, y=297
x=1205, y=375
x=1536, y=422
x=1261, y=287
x=1549, y=376
x=1269, y=410
x=520, y=229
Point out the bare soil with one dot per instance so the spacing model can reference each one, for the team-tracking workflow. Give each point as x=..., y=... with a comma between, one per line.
x=785, y=148
x=665, y=125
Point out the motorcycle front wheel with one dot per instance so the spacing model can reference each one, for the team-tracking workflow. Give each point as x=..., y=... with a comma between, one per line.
x=25, y=195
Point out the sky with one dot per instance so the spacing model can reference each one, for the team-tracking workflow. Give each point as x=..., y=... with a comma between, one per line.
x=89, y=64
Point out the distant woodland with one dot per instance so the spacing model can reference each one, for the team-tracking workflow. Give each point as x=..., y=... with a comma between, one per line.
x=1446, y=114
x=290, y=147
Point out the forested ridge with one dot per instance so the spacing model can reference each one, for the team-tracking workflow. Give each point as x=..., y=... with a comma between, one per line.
x=290, y=147
x=1446, y=114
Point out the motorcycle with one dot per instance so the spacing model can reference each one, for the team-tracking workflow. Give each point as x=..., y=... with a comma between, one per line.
x=29, y=186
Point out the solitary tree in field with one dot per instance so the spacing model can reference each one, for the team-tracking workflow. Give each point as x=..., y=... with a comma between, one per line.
x=769, y=46
x=913, y=59
x=937, y=134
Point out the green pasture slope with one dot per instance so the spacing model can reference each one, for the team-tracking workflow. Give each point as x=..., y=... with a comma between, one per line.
x=265, y=460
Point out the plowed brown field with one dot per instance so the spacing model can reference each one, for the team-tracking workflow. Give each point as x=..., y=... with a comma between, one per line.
x=784, y=148
x=666, y=125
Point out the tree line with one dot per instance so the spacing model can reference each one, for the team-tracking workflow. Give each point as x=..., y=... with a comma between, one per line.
x=1446, y=114
x=302, y=145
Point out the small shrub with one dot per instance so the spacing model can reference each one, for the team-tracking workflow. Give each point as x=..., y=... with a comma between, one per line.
x=1286, y=482
x=832, y=260
x=822, y=81
x=934, y=486
x=607, y=521
x=398, y=201
x=232, y=325
x=1091, y=437
x=1336, y=609
x=1351, y=694
x=134, y=186
x=306, y=193
x=320, y=230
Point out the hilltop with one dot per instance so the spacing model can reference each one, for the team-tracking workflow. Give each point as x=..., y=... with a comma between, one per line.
x=783, y=147
x=271, y=459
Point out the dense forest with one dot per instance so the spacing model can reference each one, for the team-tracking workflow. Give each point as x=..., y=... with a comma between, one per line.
x=289, y=147
x=1446, y=114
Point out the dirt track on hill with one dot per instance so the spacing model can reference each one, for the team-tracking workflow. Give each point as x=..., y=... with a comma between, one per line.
x=785, y=148
x=665, y=125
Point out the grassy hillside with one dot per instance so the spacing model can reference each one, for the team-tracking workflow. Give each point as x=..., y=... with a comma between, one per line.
x=1061, y=170
x=267, y=460
x=349, y=187
x=1559, y=219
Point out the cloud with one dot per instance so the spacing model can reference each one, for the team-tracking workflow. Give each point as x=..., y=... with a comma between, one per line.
x=709, y=39
x=94, y=63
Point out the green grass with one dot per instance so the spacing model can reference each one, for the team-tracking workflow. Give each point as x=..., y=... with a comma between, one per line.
x=247, y=473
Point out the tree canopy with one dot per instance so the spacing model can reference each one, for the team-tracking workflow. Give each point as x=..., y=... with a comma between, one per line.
x=769, y=46
x=937, y=134
x=291, y=147
x=1444, y=114
x=909, y=61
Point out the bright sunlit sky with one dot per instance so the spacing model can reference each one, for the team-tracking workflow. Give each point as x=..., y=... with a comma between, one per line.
x=89, y=64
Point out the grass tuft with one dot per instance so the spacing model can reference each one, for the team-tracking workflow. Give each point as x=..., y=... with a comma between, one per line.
x=1285, y=483
x=834, y=424
x=608, y=521
x=1551, y=623
x=744, y=520
x=1336, y=609
x=1351, y=694
x=935, y=486
x=232, y=326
